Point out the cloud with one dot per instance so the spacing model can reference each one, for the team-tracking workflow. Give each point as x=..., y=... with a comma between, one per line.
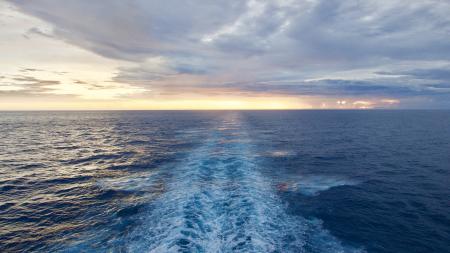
x=131, y=30
x=337, y=88
x=25, y=85
x=429, y=74
x=370, y=30
x=292, y=47
x=325, y=29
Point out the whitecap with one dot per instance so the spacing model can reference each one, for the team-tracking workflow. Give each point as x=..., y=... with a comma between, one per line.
x=133, y=182
x=314, y=185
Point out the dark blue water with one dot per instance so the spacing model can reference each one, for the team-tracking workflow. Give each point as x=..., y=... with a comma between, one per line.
x=261, y=181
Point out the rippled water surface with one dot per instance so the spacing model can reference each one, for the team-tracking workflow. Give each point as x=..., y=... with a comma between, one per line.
x=230, y=181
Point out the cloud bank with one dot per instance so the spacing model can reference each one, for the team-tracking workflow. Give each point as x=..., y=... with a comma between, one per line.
x=370, y=50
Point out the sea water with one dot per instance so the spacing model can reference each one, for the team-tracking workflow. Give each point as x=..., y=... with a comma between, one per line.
x=225, y=181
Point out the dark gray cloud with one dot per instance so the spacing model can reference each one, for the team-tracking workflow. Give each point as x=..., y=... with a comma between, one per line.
x=367, y=30
x=433, y=74
x=28, y=85
x=341, y=88
x=25, y=70
x=37, y=31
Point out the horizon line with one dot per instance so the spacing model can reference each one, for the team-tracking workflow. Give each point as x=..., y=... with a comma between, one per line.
x=300, y=109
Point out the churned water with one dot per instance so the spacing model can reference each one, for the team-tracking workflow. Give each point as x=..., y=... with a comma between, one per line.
x=225, y=181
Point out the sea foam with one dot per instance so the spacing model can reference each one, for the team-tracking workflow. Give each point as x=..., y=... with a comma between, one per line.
x=217, y=201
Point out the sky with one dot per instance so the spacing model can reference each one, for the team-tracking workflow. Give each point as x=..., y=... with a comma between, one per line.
x=214, y=54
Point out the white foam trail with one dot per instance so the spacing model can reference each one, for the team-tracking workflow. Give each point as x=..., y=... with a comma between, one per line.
x=217, y=201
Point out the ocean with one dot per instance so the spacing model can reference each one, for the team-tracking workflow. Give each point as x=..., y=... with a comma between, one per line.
x=225, y=181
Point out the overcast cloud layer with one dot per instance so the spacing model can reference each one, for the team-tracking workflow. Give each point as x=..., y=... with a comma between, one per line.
x=383, y=52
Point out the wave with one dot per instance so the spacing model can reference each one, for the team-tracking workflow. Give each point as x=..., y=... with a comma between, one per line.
x=217, y=201
x=135, y=182
x=314, y=185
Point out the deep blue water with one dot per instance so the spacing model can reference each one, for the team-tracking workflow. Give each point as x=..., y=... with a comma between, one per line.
x=249, y=181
